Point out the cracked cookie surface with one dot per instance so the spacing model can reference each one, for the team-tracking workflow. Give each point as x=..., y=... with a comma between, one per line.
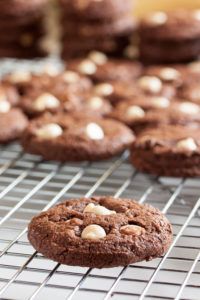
x=100, y=232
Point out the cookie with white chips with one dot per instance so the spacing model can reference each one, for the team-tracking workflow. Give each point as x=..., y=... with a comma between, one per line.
x=76, y=137
x=168, y=151
x=100, y=68
x=153, y=112
x=100, y=232
x=57, y=100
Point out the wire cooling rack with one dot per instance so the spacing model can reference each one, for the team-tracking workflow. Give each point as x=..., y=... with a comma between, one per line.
x=29, y=185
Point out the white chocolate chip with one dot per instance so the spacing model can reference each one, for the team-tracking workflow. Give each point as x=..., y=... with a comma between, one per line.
x=187, y=144
x=94, y=131
x=4, y=106
x=49, y=131
x=160, y=102
x=70, y=77
x=189, y=108
x=51, y=70
x=150, y=84
x=45, y=101
x=132, y=230
x=95, y=102
x=157, y=18
x=87, y=67
x=135, y=112
x=103, y=89
x=98, y=58
x=20, y=76
x=98, y=210
x=194, y=67
x=169, y=74
x=93, y=232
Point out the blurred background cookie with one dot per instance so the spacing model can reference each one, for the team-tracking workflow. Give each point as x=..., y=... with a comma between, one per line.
x=21, y=28
x=89, y=25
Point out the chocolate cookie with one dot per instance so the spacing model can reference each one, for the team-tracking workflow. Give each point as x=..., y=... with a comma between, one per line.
x=168, y=151
x=112, y=27
x=22, y=21
x=100, y=232
x=93, y=10
x=170, y=37
x=102, y=69
x=144, y=86
x=13, y=8
x=21, y=51
x=76, y=137
x=12, y=122
x=113, y=46
x=177, y=74
x=57, y=100
x=190, y=90
x=21, y=34
x=158, y=111
x=169, y=52
x=174, y=74
x=21, y=28
x=176, y=26
x=24, y=81
x=66, y=81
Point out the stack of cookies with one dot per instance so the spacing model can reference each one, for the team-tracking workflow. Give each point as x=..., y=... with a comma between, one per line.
x=21, y=28
x=170, y=37
x=101, y=25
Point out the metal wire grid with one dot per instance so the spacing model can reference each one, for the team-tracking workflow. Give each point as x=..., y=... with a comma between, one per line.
x=28, y=185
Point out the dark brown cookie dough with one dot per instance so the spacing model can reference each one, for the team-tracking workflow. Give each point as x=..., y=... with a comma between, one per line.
x=76, y=137
x=102, y=69
x=100, y=232
x=168, y=151
x=92, y=10
x=12, y=123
